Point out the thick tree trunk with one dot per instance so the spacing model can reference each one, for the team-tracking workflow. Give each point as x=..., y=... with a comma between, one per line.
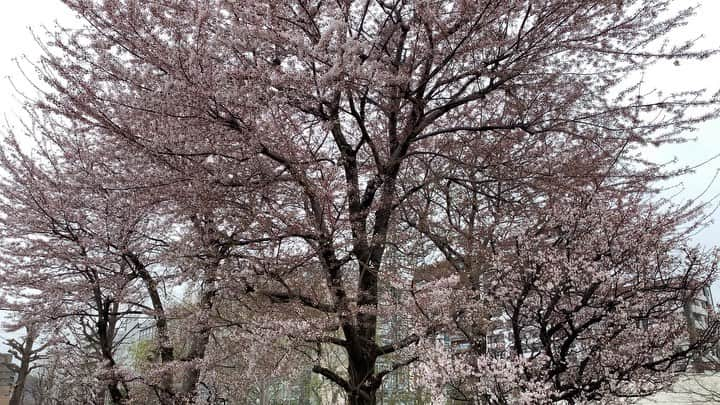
x=105, y=325
x=191, y=375
x=19, y=387
x=356, y=399
x=165, y=348
x=362, y=348
x=361, y=369
x=199, y=340
x=116, y=395
x=25, y=355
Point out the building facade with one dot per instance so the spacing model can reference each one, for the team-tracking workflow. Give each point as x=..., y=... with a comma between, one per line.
x=7, y=379
x=697, y=313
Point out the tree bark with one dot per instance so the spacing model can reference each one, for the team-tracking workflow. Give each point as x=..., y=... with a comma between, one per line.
x=361, y=368
x=105, y=328
x=25, y=353
x=164, y=345
x=199, y=340
x=19, y=386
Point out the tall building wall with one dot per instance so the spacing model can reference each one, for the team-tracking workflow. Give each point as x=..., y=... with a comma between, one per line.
x=7, y=379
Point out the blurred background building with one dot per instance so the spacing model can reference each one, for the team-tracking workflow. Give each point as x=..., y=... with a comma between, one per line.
x=7, y=379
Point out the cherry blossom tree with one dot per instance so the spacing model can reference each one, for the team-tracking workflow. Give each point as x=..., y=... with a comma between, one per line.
x=584, y=302
x=28, y=353
x=313, y=141
x=75, y=254
x=111, y=261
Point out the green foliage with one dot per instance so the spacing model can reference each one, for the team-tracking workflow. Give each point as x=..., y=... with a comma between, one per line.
x=143, y=353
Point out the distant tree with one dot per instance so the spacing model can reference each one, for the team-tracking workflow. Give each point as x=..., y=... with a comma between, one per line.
x=328, y=151
x=42, y=383
x=64, y=246
x=28, y=353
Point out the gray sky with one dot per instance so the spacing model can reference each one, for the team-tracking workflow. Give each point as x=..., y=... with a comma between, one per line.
x=17, y=17
x=17, y=41
x=695, y=75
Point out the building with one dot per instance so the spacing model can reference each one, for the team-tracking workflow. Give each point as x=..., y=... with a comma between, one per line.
x=7, y=379
x=697, y=312
x=698, y=309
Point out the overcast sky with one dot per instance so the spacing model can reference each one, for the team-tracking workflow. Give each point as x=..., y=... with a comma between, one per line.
x=18, y=17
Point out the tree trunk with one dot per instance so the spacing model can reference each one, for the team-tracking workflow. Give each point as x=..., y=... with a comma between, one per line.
x=199, y=340
x=191, y=374
x=361, y=373
x=165, y=348
x=361, y=362
x=26, y=354
x=356, y=399
x=18, y=390
x=116, y=396
x=105, y=325
x=19, y=386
